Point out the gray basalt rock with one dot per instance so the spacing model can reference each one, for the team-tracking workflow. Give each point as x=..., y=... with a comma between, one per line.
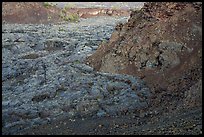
x=46, y=81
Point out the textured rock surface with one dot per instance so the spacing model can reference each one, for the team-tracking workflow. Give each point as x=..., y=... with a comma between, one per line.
x=29, y=12
x=36, y=12
x=161, y=43
x=48, y=90
x=43, y=77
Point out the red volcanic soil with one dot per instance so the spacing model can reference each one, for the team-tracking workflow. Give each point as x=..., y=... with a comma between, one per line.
x=162, y=44
x=28, y=12
x=35, y=12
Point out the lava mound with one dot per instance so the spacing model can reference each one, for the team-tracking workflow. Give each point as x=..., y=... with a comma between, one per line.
x=161, y=43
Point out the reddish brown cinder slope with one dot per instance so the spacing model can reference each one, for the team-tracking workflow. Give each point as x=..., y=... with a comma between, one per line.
x=162, y=44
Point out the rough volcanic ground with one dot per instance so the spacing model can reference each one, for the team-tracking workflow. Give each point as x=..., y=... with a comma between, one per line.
x=162, y=44
x=28, y=12
x=47, y=89
x=43, y=76
x=37, y=13
x=184, y=122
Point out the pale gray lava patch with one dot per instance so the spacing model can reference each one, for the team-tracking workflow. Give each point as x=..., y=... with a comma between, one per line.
x=43, y=77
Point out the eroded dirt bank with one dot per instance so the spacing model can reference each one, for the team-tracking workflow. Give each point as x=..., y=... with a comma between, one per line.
x=38, y=13
x=162, y=43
